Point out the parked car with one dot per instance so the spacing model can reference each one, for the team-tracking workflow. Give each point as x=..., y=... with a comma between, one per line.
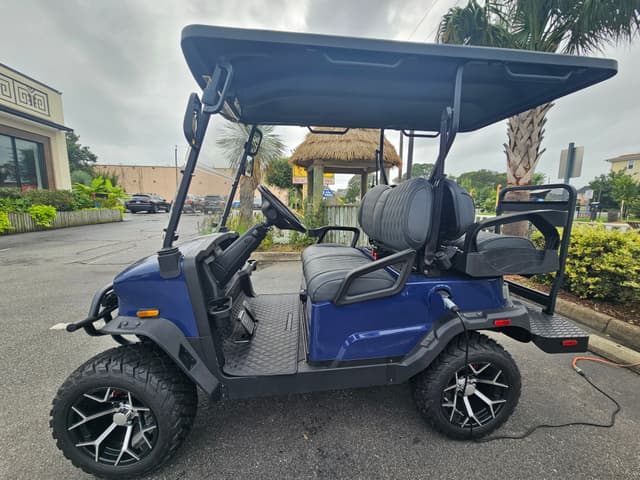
x=147, y=202
x=193, y=204
x=214, y=203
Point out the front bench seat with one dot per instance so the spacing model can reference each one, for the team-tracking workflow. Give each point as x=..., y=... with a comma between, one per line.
x=396, y=218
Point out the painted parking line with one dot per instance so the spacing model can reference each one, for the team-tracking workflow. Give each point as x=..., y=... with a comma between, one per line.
x=58, y=326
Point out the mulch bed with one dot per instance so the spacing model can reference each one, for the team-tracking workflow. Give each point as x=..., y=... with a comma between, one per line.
x=629, y=313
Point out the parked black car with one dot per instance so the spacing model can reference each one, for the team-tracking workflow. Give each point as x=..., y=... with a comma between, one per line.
x=147, y=202
x=193, y=204
x=214, y=203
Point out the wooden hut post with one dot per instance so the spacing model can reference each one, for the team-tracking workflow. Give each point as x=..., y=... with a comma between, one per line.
x=309, y=185
x=318, y=184
x=363, y=184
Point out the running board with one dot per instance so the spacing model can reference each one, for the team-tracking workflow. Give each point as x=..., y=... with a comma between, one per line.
x=554, y=334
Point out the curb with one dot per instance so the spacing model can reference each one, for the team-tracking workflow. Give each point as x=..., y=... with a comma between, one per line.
x=625, y=333
x=272, y=257
x=614, y=351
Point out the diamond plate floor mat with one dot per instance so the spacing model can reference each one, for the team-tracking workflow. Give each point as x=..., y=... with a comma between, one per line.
x=273, y=350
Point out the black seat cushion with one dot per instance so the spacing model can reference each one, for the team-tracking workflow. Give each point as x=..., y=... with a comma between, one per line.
x=494, y=241
x=328, y=250
x=325, y=267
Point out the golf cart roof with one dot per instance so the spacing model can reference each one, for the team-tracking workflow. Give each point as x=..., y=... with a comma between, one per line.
x=282, y=78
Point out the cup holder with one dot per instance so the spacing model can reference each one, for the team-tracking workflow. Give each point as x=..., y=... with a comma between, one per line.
x=219, y=311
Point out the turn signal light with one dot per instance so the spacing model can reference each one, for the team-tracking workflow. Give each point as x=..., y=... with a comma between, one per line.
x=147, y=313
x=502, y=322
x=569, y=343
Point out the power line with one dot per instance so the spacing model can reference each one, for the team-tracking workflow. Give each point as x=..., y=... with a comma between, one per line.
x=430, y=36
x=427, y=12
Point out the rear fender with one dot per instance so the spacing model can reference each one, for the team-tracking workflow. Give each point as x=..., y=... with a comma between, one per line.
x=169, y=338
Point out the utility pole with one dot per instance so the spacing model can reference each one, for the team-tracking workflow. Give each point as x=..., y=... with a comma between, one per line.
x=175, y=159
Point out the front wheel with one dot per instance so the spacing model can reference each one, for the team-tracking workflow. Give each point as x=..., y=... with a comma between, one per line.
x=471, y=408
x=123, y=413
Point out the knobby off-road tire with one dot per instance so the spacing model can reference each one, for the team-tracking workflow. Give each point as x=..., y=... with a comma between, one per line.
x=153, y=381
x=439, y=392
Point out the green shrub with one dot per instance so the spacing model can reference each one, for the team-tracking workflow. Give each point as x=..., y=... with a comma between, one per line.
x=61, y=200
x=43, y=215
x=5, y=224
x=7, y=192
x=81, y=200
x=14, y=204
x=602, y=265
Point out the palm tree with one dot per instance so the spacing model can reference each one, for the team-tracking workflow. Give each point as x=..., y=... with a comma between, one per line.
x=564, y=26
x=232, y=139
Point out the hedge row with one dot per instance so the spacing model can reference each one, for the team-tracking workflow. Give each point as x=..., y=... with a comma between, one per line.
x=15, y=200
x=602, y=265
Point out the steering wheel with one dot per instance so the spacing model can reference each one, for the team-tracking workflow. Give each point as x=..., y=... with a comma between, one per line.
x=278, y=213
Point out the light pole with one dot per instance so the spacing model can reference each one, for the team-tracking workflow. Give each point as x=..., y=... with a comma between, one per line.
x=175, y=159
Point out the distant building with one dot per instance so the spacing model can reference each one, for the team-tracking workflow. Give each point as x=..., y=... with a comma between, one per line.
x=628, y=164
x=585, y=195
x=163, y=180
x=33, y=148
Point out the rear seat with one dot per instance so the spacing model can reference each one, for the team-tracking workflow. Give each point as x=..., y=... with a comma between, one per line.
x=397, y=218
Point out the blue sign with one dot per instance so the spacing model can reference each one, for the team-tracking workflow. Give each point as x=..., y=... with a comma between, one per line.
x=326, y=193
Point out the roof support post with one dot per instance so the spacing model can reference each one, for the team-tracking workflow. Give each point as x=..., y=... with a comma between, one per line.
x=194, y=125
x=449, y=124
x=242, y=166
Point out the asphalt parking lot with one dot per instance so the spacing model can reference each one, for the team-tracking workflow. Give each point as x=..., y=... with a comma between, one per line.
x=48, y=278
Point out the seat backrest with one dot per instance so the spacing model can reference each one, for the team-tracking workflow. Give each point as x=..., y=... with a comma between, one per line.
x=398, y=217
x=458, y=211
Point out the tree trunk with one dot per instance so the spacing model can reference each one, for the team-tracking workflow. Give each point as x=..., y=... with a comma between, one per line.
x=247, y=189
x=525, y=132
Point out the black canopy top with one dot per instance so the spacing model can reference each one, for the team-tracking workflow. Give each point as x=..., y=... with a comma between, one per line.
x=282, y=78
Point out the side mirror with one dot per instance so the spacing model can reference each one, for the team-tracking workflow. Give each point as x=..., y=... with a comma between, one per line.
x=256, y=140
x=191, y=120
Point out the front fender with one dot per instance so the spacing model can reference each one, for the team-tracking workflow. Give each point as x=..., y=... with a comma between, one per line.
x=169, y=338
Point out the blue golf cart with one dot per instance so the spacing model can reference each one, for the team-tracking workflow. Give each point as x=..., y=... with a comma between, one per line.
x=409, y=307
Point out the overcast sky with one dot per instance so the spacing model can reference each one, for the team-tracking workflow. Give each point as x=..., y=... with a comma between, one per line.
x=125, y=83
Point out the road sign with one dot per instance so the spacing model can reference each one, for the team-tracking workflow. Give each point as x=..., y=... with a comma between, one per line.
x=326, y=193
x=299, y=175
x=570, y=162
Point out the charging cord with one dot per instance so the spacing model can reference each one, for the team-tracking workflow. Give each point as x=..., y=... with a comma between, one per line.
x=453, y=308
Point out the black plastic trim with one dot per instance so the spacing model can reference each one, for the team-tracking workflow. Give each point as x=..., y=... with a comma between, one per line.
x=167, y=336
x=405, y=257
x=322, y=231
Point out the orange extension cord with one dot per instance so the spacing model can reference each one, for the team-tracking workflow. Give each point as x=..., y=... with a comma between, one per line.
x=574, y=364
x=579, y=371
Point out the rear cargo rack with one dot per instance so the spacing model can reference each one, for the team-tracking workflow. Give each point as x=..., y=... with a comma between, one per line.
x=560, y=216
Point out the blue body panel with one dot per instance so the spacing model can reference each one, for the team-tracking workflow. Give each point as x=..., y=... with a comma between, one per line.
x=391, y=327
x=141, y=287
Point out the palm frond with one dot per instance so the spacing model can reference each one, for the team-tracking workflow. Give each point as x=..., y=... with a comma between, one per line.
x=232, y=138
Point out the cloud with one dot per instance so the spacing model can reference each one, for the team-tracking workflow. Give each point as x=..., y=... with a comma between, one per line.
x=125, y=81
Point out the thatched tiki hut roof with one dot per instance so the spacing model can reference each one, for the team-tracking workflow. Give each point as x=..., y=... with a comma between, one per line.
x=352, y=152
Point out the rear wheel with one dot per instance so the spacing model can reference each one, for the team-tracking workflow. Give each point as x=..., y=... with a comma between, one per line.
x=123, y=413
x=473, y=407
